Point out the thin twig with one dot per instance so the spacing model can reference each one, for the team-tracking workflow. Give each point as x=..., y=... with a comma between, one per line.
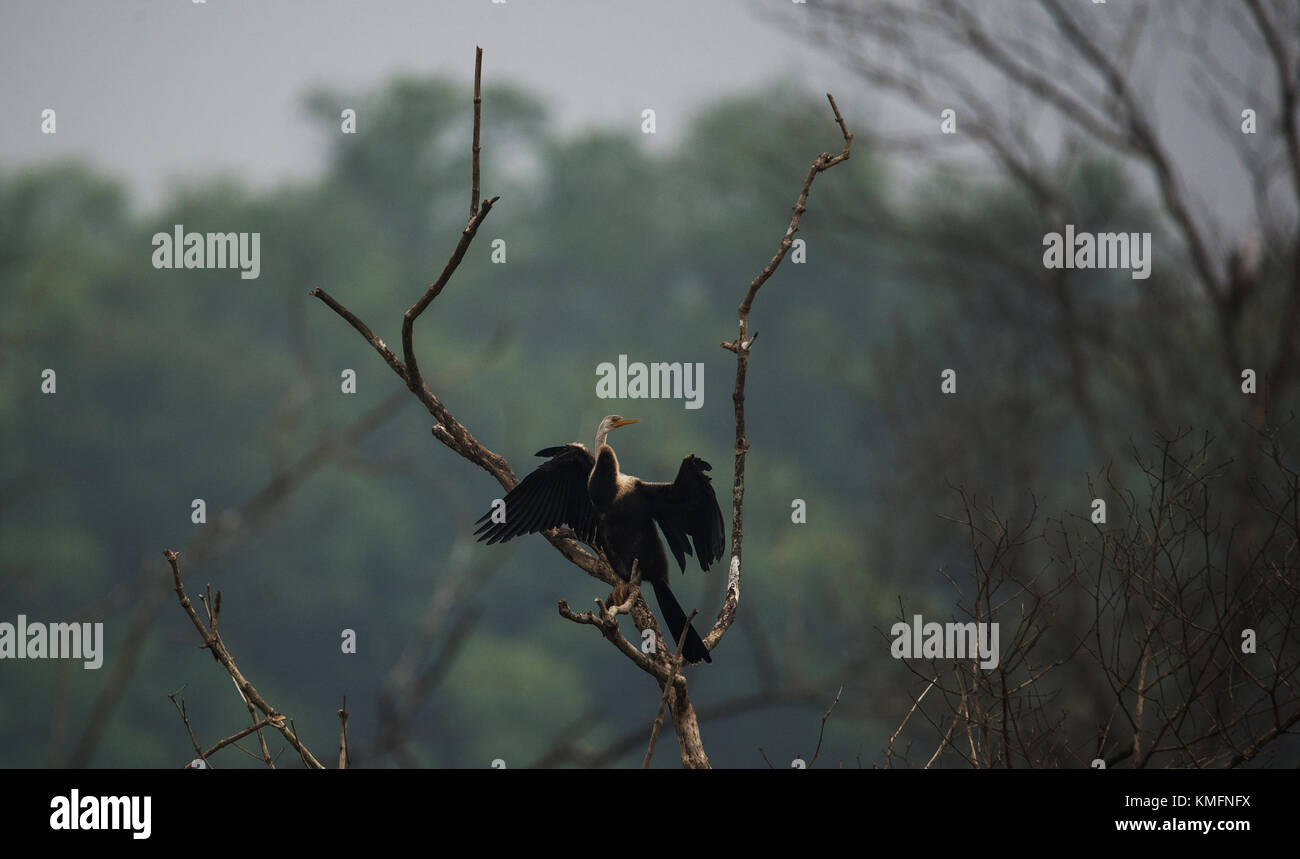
x=478, y=102
x=889, y=749
x=741, y=346
x=261, y=740
x=234, y=738
x=607, y=622
x=180, y=708
x=246, y=689
x=818, y=750
x=343, y=734
x=212, y=542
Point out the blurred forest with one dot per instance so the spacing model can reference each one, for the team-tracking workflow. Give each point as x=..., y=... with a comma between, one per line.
x=329, y=511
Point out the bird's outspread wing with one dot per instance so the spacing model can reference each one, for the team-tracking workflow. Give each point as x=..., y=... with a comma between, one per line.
x=687, y=511
x=555, y=494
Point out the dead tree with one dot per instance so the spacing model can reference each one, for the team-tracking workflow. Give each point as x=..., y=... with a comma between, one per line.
x=1133, y=644
x=662, y=665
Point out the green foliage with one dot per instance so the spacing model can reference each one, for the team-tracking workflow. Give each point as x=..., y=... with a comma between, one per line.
x=175, y=385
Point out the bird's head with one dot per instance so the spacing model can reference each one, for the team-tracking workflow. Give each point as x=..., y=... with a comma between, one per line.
x=611, y=422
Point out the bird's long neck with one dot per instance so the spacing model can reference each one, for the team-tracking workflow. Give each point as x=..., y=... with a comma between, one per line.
x=602, y=485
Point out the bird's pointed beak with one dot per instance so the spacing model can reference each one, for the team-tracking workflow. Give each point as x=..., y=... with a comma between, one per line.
x=624, y=423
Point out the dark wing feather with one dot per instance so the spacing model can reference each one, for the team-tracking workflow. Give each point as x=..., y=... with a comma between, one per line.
x=687, y=511
x=555, y=494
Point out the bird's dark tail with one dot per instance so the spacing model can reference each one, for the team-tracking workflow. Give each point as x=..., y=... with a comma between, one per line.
x=693, y=648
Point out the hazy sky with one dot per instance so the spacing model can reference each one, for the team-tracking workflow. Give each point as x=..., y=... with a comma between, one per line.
x=162, y=89
x=161, y=92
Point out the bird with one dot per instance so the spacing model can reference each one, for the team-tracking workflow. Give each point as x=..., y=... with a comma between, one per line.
x=616, y=513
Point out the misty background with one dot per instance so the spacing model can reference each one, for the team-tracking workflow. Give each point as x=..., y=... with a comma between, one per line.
x=329, y=511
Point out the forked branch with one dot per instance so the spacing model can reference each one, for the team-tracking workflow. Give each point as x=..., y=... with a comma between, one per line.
x=213, y=642
x=741, y=346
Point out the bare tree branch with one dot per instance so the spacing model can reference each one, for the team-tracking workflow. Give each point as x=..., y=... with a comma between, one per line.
x=822, y=731
x=344, y=762
x=455, y=436
x=741, y=347
x=213, y=642
x=474, y=149
x=677, y=667
x=180, y=708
